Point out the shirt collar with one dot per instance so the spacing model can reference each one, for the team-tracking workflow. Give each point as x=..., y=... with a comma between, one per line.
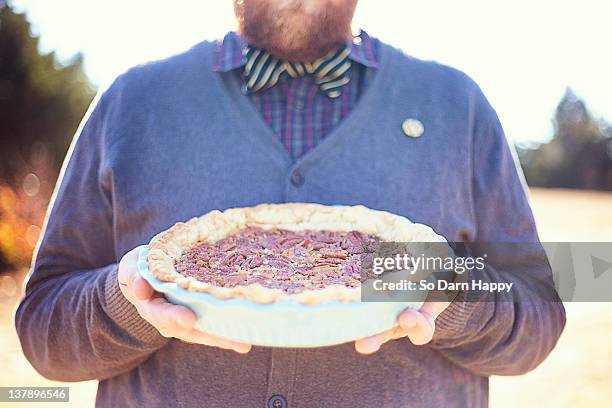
x=230, y=51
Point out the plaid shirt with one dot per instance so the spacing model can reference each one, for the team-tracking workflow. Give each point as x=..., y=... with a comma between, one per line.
x=298, y=113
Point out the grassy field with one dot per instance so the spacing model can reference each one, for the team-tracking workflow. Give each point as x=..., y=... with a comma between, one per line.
x=577, y=374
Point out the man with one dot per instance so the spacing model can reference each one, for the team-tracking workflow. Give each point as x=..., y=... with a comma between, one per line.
x=293, y=107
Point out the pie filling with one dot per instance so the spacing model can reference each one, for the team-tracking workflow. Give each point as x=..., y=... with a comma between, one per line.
x=292, y=261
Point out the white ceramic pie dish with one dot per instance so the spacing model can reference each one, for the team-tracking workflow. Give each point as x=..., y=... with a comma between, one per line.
x=285, y=323
x=269, y=317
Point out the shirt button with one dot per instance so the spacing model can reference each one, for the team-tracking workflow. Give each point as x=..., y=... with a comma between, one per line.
x=297, y=179
x=277, y=401
x=299, y=106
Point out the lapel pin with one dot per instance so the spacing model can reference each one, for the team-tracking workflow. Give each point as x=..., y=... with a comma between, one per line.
x=413, y=128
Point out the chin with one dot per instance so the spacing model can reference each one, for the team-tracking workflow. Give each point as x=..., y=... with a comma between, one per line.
x=296, y=30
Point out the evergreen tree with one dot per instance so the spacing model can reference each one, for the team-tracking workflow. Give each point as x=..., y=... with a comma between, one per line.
x=41, y=101
x=579, y=154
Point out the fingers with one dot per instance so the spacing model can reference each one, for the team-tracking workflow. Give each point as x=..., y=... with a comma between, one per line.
x=412, y=324
x=178, y=322
x=198, y=337
x=168, y=318
x=372, y=344
x=419, y=326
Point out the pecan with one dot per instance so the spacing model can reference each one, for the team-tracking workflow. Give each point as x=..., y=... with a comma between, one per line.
x=316, y=278
x=299, y=252
x=317, y=245
x=326, y=237
x=235, y=259
x=226, y=246
x=255, y=262
x=290, y=241
x=333, y=253
x=278, y=263
x=330, y=261
x=347, y=270
x=269, y=243
x=226, y=269
x=234, y=280
x=331, y=273
x=256, y=279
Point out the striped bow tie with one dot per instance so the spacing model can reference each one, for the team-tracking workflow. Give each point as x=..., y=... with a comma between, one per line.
x=263, y=70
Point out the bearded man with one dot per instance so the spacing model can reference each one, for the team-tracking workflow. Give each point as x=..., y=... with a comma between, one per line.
x=293, y=107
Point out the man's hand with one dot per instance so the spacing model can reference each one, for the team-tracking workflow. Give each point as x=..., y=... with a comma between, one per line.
x=418, y=326
x=171, y=320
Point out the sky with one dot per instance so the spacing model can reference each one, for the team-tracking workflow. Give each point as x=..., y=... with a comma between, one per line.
x=522, y=53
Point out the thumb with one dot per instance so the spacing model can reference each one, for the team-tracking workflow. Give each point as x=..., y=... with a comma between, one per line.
x=142, y=289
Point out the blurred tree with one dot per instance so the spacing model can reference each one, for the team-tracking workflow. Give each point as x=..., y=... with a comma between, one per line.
x=41, y=101
x=41, y=104
x=579, y=154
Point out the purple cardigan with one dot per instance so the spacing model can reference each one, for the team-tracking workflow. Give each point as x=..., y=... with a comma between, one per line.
x=173, y=139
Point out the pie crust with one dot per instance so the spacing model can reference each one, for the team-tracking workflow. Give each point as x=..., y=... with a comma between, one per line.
x=168, y=247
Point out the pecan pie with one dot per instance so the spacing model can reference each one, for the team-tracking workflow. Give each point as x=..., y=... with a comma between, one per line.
x=309, y=253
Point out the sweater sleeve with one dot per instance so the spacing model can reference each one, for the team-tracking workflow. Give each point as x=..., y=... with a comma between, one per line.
x=74, y=323
x=502, y=333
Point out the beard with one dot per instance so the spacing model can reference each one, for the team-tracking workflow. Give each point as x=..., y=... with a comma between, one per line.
x=295, y=30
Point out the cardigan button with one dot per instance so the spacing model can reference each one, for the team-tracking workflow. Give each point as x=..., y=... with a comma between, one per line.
x=297, y=178
x=277, y=401
x=413, y=128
